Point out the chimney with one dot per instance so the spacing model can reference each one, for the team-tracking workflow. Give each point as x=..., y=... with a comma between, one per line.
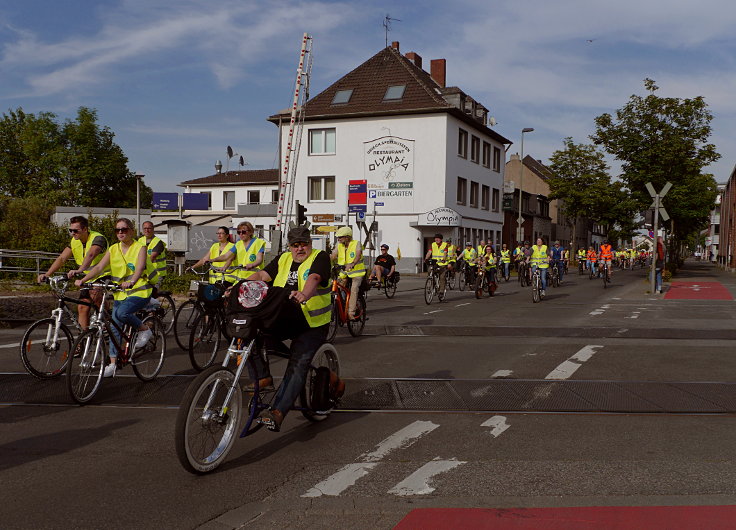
x=395, y=45
x=415, y=58
x=439, y=71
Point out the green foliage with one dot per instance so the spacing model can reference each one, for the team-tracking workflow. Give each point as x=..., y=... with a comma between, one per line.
x=659, y=140
x=75, y=163
x=178, y=284
x=24, y=225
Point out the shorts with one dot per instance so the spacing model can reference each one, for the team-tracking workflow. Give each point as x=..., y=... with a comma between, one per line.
x=385, y=271
x=606, y=261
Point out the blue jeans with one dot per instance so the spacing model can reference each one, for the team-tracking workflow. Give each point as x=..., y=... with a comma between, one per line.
x=123, y=312
x=560, y=268
x=505, y=269
x=543, y=277
x=303, y=347
x=658, y=279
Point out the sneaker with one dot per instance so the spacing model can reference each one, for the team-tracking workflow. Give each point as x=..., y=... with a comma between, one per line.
x=143, y=338
x=543, y=293
x=110, y=370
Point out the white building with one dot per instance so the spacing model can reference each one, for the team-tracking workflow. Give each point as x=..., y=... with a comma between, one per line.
x=430, y=160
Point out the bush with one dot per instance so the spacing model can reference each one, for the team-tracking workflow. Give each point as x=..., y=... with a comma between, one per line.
x=177, y=284
x=666, y=276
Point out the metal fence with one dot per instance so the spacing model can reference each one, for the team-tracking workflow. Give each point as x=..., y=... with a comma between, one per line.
x=25, y=261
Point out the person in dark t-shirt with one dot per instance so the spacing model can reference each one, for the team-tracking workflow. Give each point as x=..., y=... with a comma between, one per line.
x=385, y=264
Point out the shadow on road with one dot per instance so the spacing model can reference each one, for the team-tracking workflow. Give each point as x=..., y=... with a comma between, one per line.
x=23, y=451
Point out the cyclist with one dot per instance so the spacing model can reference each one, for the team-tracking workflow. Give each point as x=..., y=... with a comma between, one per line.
x=438, y=252
x=451, y=255
x=223, y=246
x=525, y=256
x=385, y=265
x=558, y=259
x=156, y=259
x=488, y=261
x=605, y=256
x=349, y=254
x=505, y=256
x=540, y=259
x=126, y=261
x=592, y=257
x=469, y=256
x=481, y=248
x=305, y=272
x=582, y=257
x=249, y=252
x=566, y=258
x=87, y=247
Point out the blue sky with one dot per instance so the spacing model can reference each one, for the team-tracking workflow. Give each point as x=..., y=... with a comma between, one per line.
x=180, y=81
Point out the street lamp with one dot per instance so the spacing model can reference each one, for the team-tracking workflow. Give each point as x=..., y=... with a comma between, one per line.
x=138, y=178
x=519, y=233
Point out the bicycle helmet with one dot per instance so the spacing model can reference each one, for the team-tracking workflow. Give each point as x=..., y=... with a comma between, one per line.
x=345, y=231
x=384, y=245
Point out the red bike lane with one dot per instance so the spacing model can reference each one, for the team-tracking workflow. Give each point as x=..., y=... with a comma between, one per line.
x=704, y=290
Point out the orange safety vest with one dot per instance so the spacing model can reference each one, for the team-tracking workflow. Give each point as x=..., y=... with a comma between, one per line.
x=606, y=253
x=592, y=256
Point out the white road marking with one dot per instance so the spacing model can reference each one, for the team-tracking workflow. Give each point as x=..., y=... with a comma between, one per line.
x=435, y=311
x=634, y=314
x=596, y=312
x=418, y=482
x=460, y=305
x=498, y=423
x=14, y=345
x=503, y=373
x=570, y=366
x=347, y=476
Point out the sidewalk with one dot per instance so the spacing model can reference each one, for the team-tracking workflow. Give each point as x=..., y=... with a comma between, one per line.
x=700, y=280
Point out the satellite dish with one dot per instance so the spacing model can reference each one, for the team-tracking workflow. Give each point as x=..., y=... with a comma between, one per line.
x=492, y=121
x=242, y=161
x=229, y=152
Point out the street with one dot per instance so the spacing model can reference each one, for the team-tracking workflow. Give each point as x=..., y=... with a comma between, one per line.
x=593, y=397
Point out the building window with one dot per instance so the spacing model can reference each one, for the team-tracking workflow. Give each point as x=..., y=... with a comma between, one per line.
x=274, y=196
x=525, y=203
x=321, y=189
x=342, y=96
x=485, y=198
x=394, y=93
x=462, y=190
x=322, y=141
x=228, y=200
x=209, y=198
x=496, y=199
x=496, y=159
x=462, y=143
x=486, y=154
x=473, y=194
x=475, y=149
x=254, y=197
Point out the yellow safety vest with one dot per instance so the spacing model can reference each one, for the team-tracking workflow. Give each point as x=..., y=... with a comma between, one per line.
x=80, y=251
x=506, y=256
x=346, y=255
x=122, y=268
x=539, y=256
x=490, y=261
x=439, y=253
x=469, y=256
x=230, y=274
x=155, y=270
x=451, y=253
x=481, y=249
x=249, y=255
x=318, y=309
x=581, y=254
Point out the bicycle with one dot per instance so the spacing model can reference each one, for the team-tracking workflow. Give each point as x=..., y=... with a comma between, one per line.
x=554, y=272
x=432, y=285
x=212, y=407
x=466, y=276
x=164, y=307
x=483, y=283
x=451, y=278
x=85, y=369
x=506, y=267
x=522, y=268
x=606, y=275
x=47, y=343
x=387, y=284
x=581, y=267
x=536, y=285
x=340, y=303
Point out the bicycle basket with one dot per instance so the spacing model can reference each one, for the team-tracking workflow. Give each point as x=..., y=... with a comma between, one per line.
x=209, y=293
x=396, y=276
x=239, y=325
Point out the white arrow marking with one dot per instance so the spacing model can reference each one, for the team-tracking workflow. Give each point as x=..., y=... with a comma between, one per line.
x=342, y=480
x=418, y=482
x=498, y=423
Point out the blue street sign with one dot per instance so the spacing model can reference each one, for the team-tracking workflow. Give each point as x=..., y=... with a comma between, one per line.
x=165, y=201
x=196, y=201
x=378, y=203
x=357, y=208
x=361, y=216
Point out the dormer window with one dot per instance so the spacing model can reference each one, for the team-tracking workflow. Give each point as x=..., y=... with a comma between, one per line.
x=394, y=93
x=342, y=96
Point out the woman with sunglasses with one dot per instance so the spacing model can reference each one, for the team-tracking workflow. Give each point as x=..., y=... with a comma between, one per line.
x=127, y=263
x=248, y=255
x=217, y=253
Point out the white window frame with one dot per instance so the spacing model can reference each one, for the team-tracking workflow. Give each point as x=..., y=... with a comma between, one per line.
x=462, y=196
x=224, y=200
x=323, y=188
x=323, y=133
x=249, y=197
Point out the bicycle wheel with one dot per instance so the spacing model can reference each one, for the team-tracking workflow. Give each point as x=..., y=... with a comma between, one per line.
x=536, y=288
x=204, y=341
x=316, y=387
x=355, y=326
x=334, y=320
x=450, y=280
x=429, y=290
x=42, y=356
x=479, y=281
x=148, y=360
x=167, y=312
x=186, y=314
x=204, y=434
x=86, y=365
x=462, y=279
x=389, y=287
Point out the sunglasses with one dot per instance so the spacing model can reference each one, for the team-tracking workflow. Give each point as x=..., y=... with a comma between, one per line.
x=244, y=231
x=300, y=244
x=121, y=230
x=75, y=230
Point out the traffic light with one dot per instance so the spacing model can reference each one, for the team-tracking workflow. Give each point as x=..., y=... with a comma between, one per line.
x=301, y=214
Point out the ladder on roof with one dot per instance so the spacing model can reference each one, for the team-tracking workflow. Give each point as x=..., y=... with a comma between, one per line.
x=294, y=141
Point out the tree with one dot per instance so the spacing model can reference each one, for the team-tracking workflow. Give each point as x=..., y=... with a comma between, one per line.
x=76, y=163
x=659, y=140
x=580, y=178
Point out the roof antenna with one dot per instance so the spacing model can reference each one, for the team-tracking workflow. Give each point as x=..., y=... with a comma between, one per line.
x=387, y=25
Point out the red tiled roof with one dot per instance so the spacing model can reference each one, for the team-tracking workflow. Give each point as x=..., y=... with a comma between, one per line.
x=251, y=176
x=369, y=82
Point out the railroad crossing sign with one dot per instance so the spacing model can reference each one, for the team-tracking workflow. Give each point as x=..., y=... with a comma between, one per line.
x=657, y=203
x=656, y=209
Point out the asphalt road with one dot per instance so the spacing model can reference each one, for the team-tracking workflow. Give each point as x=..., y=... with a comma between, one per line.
x=592, y=397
